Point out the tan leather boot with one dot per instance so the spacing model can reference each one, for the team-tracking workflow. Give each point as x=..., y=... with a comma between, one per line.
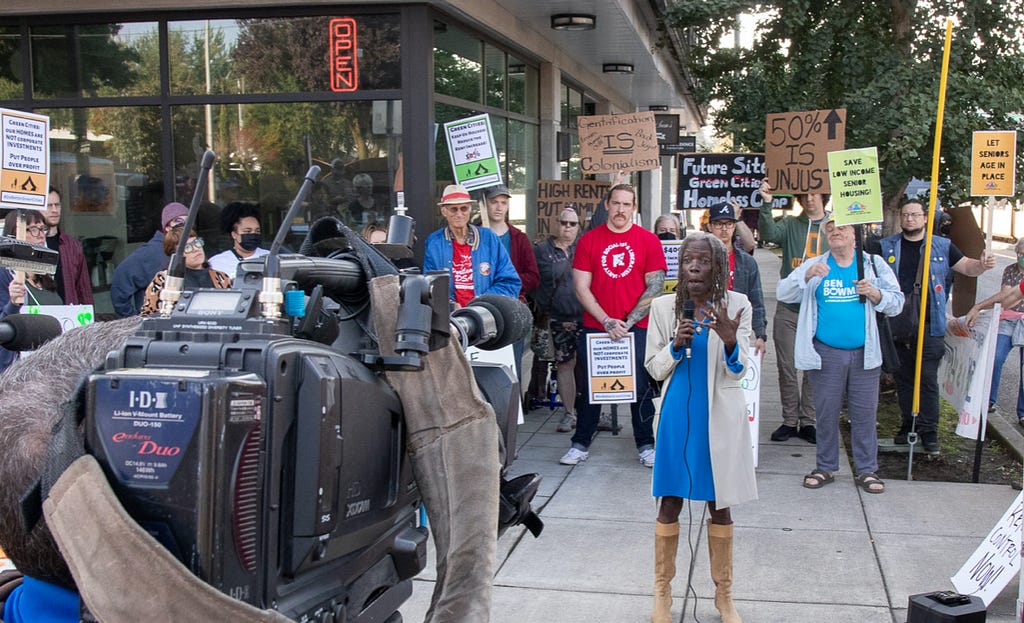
x=720, y=552
x=666, y=543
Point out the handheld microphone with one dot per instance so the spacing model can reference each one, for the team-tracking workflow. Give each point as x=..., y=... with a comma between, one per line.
x=19, y=332
x=688, y=312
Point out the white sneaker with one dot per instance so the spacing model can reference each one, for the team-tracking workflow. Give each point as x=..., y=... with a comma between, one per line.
x=647, y=457
x=574, y=457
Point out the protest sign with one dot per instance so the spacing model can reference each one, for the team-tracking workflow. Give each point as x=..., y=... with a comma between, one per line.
x=796, y=145
x=708, y=179
x=751, y=384
x=965, y=371
x=856, y=189
x=24, y=160
x=613, y=143
x=993, y=164
x=504, y=356
x=612, y=369
x=472, y=152
x=991, y=567
x=671, y=250
x=553, y=196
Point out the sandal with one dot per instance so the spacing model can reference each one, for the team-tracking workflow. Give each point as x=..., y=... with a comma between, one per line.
x=818, y=479
x=871, y=483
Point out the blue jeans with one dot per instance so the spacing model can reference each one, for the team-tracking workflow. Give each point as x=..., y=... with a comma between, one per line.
x=642, y=410
x=1004, y=345
x=842, y=374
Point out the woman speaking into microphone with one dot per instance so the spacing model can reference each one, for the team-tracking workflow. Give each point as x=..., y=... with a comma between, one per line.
x=699, y=339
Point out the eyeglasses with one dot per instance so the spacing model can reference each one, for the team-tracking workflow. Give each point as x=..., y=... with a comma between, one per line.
x=37, y=230
x=462, y=208
x=912, y=215
x=722, y=224
x=194, y=245
x=569, y=223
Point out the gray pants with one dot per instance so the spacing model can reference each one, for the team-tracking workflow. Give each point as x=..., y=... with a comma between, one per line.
x=797, y=399
x=842, y=374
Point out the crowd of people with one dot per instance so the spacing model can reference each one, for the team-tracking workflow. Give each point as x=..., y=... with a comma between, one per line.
x=690, y=348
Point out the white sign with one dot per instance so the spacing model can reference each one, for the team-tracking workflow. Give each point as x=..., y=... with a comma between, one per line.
x=965, y=372
x=472, y=151
x=612, y=368
x=24, y=160
x=671, y=250
x=751, y=384
x=69, y=316
x=991, y=567
x=504, y=356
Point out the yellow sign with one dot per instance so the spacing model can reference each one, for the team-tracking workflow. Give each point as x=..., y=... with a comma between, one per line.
x=856, y=189
x=24, y=160
x=993, y=156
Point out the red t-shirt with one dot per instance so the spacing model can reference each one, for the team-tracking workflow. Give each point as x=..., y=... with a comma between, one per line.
x=617, y=264
x=462, y=272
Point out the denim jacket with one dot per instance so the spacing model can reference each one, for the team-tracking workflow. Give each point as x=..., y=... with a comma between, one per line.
x=493, y=272
x=795, y=289
x=937, y=277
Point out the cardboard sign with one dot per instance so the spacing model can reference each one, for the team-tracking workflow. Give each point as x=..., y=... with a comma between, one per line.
x=856, y=189
x=612, y=368
x=965, y=372
x=991, y=567
x=709, y=179
x=24, y=160
x=612, y=143
x=553, y=196
x=472, y=151
x=796, y=145
x=993, y=164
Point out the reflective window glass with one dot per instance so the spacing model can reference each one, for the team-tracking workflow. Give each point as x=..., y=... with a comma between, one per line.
x=95, y=60
x=10, y=63
x=494, y=68
x=458, y=63
x=262, y=158
x=523, y=85
x=281, y=55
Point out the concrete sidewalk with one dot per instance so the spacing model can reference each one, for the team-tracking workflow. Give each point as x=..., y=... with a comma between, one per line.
x=836, y=554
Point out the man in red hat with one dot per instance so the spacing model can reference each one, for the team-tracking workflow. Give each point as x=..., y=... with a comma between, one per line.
x=473, y=256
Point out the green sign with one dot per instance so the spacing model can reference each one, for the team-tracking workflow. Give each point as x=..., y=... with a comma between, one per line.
x=856, y=190
x=471, y=148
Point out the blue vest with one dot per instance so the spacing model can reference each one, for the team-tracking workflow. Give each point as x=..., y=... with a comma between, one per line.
x=939, y=271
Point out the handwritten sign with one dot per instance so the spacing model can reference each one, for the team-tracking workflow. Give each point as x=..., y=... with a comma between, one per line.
x=471, y=149
x=611, y=143
x=856, y=189
x=993, y=160
x=24, y=160
x=553, y=196
x=612, y=369
x=991, y=567
x=708, y=179
x=796, y=145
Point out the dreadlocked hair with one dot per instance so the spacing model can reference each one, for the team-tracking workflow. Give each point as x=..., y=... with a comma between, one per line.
x=719, y=270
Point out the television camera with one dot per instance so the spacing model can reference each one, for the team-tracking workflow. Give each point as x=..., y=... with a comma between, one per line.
x=254, y=433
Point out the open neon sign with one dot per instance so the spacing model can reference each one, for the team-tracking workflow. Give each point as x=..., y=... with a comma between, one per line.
x=344, y=66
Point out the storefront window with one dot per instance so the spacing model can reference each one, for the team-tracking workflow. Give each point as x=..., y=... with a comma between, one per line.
x=494, y=68
x=572, y=107
x=523, y=84
x=458, y=63
x=106, y=163
x=262, y=158
x=279, y=55
x=104, y=60
x=10, y=63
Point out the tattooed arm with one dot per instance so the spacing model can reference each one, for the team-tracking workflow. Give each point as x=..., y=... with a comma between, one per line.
x=655, y=282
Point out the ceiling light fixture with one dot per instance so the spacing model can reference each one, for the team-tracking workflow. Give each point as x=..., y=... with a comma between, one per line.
x=617, y=68
x=573, y=21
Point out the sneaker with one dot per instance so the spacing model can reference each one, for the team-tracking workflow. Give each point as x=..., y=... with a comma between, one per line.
x=574, y=457
x=992, y=407
x=647, y=457
x=784, y=432
x=930, y=443
x=567, y=423
x=809, y=434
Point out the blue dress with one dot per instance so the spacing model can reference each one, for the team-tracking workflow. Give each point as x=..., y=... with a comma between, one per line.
x=682, y=460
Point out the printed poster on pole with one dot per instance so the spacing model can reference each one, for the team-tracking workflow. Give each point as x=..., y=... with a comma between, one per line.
x=612, y=369
x=473, y=154
x=24, y=160
x=993, y=164
x=856, y=189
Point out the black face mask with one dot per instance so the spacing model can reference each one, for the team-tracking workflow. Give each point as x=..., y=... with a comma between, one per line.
x=250, y=242
x=667, y=235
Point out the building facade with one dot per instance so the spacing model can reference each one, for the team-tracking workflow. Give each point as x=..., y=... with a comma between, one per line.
x=136, y=91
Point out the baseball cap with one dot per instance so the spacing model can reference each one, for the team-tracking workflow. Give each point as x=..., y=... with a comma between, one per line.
x=722, y=212
x=455, y=194
x=497, y=191
x=172, y=211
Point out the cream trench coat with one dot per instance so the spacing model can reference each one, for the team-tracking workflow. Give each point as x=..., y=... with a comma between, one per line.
x=732, y=459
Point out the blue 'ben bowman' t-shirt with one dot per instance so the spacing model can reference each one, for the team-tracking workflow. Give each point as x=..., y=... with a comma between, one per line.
x=840, y=312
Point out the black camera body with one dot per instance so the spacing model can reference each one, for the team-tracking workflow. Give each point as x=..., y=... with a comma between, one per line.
x=272, y=466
